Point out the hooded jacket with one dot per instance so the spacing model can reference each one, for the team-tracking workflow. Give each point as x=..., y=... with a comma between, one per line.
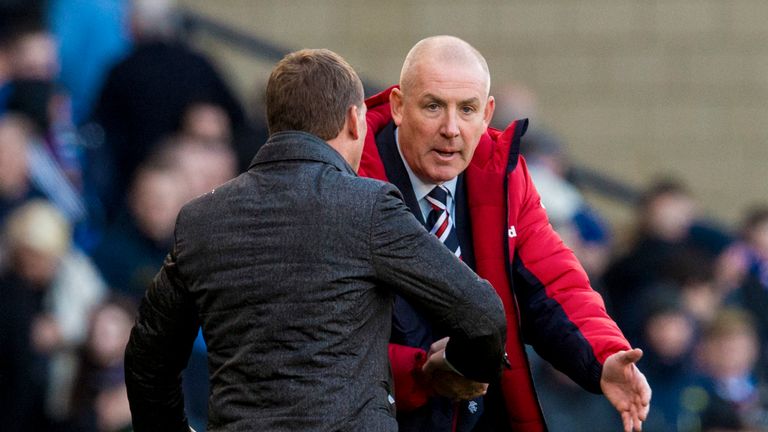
x=546, y=294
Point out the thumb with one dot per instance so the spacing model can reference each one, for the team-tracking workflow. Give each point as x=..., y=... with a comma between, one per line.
x=632, y=356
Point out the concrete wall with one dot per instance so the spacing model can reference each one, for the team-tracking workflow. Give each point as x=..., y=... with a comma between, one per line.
x=635, y=87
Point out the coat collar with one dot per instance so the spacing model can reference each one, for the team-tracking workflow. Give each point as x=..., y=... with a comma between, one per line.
x=298, y=145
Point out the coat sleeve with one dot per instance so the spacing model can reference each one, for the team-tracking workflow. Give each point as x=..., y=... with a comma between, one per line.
x=157, y=352
x=563, y=318
x=419, y=268
x=406, y=363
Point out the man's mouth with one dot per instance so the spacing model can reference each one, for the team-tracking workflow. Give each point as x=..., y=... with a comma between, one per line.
x=445, y=154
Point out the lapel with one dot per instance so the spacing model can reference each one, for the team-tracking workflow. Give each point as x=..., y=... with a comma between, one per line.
x=398, y=176
x=462, y=223
x=395, y=169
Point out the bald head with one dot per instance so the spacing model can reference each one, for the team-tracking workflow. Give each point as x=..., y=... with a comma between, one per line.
x=443, y=51
x=442, y=107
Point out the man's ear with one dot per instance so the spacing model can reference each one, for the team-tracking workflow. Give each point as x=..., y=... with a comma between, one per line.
x=489, y=108
x=396, y=105
x=353, y=122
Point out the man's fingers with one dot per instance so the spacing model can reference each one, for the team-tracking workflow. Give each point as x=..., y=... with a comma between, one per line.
x=643, y=392
x=636, y=422
x=472, y=393
x=476, y=392
x=456, y=387
x=644, y=408
x=626, y=420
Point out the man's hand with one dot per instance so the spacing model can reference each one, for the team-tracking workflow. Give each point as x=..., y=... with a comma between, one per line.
x=626, y=388
x=444, y=380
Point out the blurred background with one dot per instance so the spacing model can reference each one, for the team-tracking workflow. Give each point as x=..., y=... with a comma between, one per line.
x=635, y=88
x=645, y=144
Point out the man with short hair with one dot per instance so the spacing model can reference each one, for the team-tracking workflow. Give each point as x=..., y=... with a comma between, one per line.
x=431, y=134
x=290, y=268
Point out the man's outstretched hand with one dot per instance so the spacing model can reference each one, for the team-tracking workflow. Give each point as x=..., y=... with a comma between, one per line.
x=626, y=388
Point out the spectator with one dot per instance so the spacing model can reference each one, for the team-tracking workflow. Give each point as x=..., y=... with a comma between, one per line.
x=31, y=90
x=23, y=52
x=665, y=216
x=100, y=401
x=33, y=54
x=133, y=247
x=668, y=337
x=728, y=355
x=15, y=185
x=47, y=106
x=203, y=165
x=53, y=287
x=728, y=255
x=207, y=122
x=30, y=48
x=54, y=152
x=145, y=95
x=755, y=229
x=515, y=101
x=753, y=294
x=692, y=272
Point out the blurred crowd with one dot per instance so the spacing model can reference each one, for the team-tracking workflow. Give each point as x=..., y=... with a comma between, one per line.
x=692, y=293
x=110, y=122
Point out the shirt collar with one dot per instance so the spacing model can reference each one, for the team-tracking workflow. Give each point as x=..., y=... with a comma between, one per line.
x=420, y=188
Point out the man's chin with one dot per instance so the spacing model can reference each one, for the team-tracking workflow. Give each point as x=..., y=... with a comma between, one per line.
x=443, y=175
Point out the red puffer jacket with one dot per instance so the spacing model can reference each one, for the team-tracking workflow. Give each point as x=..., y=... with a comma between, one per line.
x=547, y=296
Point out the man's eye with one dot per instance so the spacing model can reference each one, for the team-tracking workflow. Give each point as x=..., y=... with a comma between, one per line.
x=467, y=109
x=433, y=107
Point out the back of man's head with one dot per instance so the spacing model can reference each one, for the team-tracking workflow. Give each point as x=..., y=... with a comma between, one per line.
x=310, y=91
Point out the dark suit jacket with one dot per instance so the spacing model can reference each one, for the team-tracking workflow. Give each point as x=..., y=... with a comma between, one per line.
x=291, y=270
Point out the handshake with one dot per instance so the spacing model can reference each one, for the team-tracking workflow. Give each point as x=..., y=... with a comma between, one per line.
x=446, y=381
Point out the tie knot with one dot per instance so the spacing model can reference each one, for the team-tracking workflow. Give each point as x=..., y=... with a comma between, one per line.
x=439, y=193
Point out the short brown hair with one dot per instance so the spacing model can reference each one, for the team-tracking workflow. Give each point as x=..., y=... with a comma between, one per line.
x=310, y=90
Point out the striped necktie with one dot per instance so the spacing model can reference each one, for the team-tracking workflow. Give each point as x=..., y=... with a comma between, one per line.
x=439, y=222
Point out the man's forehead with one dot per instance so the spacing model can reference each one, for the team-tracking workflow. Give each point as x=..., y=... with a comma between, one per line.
x=445, y=76
x=452, y=89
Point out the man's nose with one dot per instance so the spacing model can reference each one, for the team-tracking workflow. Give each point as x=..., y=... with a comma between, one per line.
x=450, y=127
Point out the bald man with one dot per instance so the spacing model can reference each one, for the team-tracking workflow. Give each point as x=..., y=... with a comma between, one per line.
x=469, y=185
